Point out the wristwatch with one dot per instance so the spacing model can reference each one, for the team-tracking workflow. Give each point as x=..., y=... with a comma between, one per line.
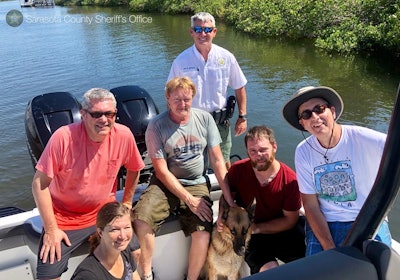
x=243, y=117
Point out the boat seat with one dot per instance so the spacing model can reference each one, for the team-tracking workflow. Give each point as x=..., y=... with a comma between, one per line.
x=344, y=263
x=35, y=224
x=385, y=260
x=170, y=225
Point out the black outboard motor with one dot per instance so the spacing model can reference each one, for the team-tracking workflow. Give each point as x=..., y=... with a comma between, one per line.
x=45, y=114
x=135, y=109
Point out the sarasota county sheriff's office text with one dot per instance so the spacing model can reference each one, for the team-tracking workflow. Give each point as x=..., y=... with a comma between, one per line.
x=96, y=19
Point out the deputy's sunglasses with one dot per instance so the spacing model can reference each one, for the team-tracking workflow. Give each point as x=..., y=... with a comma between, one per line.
x=199, y=29
x=97, y=115
x=318, y=109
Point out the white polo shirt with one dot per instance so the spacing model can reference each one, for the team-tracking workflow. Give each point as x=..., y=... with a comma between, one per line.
x=211, y=77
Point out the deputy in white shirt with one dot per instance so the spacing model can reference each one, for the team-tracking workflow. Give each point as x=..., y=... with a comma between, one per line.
x=213, y=69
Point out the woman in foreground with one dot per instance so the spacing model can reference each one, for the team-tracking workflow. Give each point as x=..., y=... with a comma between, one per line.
x=110, y=257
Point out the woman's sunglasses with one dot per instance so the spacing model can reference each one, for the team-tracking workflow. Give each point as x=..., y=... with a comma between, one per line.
x=318, y=109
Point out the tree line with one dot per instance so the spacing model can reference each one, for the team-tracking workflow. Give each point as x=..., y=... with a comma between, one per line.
x=337, y=26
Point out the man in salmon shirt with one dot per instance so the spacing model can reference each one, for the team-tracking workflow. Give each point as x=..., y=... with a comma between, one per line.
x=75, y=177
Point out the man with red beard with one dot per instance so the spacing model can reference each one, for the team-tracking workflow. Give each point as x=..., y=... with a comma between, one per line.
x=278, y=229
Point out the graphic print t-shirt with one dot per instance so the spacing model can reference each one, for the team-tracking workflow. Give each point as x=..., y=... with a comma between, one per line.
x=183, y=146
x=344, y=182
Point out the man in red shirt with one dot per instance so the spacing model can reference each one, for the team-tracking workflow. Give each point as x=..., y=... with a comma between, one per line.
x=75, y=177
x=277, y=232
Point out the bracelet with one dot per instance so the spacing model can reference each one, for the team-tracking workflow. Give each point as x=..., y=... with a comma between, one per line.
x=243, y=117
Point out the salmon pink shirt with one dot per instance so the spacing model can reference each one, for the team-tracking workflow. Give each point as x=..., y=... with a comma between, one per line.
x=83, y=172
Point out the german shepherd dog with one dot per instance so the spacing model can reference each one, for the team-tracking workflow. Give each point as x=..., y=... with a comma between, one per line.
x=227, y=248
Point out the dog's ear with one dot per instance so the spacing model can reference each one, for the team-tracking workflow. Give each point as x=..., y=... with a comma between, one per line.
x=251, y=208
x=224, y=207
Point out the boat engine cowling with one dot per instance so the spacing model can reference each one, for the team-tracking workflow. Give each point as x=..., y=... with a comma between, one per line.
x=44, y=114
x=135, y=109
x=47, y=112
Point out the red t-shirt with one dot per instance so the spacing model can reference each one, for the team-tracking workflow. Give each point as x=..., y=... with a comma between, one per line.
x=83, y=172
x=282, y=193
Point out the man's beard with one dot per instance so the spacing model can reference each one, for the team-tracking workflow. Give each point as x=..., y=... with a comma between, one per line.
x=265, y=165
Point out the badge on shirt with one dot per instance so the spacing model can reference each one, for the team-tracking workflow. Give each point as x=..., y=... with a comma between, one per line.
x=221, y=61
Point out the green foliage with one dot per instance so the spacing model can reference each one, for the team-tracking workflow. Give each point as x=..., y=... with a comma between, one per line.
x=216, y=8
x=146, y=5
x=105, y=3
x=178, y=7
x=343, y=26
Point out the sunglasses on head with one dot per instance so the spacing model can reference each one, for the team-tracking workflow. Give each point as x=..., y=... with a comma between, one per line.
x=97, y=115
x=318, y=109
x=199, y=29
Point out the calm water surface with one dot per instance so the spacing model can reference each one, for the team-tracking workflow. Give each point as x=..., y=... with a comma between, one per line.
x=75, y=49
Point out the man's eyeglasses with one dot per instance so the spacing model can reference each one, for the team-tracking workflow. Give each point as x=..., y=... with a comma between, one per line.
x=97, y=115
x=185, y=100
x=199, y=29
x=318, y=109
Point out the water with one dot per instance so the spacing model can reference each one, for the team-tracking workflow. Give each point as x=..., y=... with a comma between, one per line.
x=75, y=49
